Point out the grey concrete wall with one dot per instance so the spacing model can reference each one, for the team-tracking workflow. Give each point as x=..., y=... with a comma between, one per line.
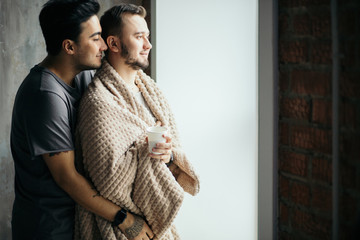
x=21, y=47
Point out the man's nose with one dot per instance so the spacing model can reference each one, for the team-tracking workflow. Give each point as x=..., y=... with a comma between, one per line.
x=147, y=44
x=103, y=45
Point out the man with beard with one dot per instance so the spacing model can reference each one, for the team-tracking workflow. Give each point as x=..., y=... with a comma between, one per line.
x=114, y=113
x=43, y=126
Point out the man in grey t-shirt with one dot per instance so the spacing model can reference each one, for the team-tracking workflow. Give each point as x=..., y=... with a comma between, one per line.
x=47, y=185
x=44, y=118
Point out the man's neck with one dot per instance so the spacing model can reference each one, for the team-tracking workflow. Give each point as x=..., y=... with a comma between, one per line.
x=61, y=68
x=126, y=72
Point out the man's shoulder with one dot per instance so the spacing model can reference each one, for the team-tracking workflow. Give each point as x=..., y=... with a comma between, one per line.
x=100, y=95
x=50, y=85
x=44, y=87
x=96, y=90
x=39, y=95
x=84, y=78
x=34, y=76
x=87, y=74
x=34, y=82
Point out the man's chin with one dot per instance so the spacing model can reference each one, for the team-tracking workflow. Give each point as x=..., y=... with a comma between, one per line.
x=138, y=65
x=91, y=67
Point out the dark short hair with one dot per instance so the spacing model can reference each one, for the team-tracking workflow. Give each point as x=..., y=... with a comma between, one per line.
x=112, y=20
x=61, y=19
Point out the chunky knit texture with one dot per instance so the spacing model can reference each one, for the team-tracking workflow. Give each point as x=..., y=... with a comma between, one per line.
x=114, y=156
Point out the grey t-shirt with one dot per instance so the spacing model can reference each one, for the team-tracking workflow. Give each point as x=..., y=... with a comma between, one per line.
x=43, y=121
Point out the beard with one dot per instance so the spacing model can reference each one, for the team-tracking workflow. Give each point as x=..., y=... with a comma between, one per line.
x=132, y=62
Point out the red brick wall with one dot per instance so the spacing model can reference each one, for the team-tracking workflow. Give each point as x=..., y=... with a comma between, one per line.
x=305, y=118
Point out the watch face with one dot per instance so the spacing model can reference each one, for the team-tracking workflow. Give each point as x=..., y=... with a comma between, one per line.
x=119, y=217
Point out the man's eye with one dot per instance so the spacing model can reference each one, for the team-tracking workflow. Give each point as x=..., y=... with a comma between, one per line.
x=96, y=39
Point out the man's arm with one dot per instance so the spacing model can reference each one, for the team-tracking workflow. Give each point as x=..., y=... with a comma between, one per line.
x=62, y=168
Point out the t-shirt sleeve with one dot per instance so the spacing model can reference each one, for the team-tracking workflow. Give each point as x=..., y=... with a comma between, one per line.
x=48, y=125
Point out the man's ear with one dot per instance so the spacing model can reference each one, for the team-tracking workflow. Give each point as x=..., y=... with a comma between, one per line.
x=113, y=43
x=68, y=46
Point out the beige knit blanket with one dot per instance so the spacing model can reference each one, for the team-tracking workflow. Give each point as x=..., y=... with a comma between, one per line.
x=111, y=133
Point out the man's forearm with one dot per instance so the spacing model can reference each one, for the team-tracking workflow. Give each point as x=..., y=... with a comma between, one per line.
x=85, y=195
x=62, y=168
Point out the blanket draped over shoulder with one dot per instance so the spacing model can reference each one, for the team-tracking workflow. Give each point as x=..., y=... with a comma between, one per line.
x=114, y=156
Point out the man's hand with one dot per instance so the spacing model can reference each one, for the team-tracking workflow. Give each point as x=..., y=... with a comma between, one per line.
x=164, y=149
x=135, y=228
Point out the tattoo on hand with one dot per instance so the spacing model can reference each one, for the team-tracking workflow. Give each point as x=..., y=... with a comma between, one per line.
x=135, y=229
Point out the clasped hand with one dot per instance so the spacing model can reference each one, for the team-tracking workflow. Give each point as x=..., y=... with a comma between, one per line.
x=164, y=149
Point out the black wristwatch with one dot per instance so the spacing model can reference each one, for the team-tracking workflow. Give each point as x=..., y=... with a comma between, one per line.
x=119, y=217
